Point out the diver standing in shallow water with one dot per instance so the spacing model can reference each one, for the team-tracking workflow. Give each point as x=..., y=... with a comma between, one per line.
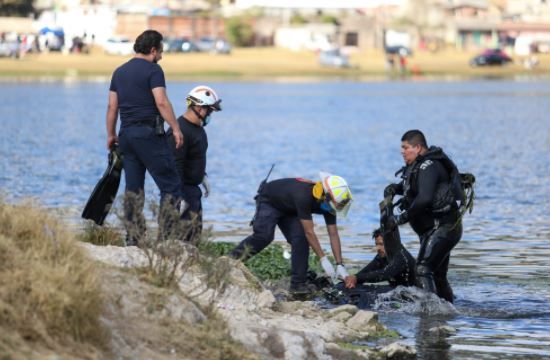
x=430, y=188
x=138, y=93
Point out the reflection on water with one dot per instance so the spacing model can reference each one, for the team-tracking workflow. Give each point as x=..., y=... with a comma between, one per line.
x=52, y=148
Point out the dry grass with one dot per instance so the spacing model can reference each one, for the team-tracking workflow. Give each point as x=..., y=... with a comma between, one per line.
x=49, y=292
x=56, y=303
x=254, y=63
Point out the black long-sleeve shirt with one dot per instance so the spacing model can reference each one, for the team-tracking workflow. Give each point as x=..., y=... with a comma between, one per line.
x=191, y=156
x=397, y=271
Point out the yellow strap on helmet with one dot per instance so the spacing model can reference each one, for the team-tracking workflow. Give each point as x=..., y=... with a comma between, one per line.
x=318, y=190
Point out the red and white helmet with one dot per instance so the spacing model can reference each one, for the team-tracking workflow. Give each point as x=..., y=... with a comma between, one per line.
x=203, y=95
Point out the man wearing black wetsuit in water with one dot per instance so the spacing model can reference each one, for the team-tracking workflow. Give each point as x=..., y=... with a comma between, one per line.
x=393, y=263
x=430, y=189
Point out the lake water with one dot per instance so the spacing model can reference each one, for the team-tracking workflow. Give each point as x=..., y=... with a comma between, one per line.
x=52, y=148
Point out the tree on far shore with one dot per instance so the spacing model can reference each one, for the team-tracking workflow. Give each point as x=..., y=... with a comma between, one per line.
x=16, y=7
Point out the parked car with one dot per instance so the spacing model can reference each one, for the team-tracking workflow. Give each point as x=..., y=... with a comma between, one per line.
x=9, y=49
x=180, y=45
x=491, y=57
x=399, y=50
x=333, y=58
x=214, y=45
x=119, y=46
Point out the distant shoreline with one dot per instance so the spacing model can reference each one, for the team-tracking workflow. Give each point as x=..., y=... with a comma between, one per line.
x=253, y=64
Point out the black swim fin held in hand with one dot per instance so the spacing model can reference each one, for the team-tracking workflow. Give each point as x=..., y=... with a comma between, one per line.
x=102, y=197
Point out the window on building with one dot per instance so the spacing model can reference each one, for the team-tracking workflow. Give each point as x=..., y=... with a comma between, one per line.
x=351, y=39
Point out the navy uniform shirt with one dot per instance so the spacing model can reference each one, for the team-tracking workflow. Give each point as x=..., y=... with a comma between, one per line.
x=133, y=82
x=295, y=197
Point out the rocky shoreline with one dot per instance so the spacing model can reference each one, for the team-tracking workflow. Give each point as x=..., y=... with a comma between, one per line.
x=268, y=328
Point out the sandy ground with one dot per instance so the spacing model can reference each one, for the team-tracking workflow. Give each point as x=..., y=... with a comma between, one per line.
x=259, y=63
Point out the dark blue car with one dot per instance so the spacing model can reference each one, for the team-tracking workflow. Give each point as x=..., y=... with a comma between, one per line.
x=491, y=57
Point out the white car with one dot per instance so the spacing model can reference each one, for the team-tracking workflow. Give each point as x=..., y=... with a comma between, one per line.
x=119, y=46
x=333, y=58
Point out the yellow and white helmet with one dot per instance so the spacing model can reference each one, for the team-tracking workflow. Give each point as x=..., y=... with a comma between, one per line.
x=338, y=191
x=203, y=95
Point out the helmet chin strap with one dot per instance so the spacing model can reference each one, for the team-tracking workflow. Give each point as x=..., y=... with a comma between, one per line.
x=203, y=119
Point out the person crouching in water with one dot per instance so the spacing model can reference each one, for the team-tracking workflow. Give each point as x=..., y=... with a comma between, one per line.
x=289, y=203
x=393, y=263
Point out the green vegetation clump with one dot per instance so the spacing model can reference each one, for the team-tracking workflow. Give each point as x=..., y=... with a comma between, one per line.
x=329, y=19
x=49, y=291
x=298, y=19
x=101, y=235
x=239, y=31
x=269, y=264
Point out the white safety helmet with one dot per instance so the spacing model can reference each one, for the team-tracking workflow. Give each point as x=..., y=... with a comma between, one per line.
x=338, y=191
x=203, y=95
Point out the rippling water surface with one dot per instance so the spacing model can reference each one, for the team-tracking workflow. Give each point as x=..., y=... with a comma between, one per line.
x=52, y=148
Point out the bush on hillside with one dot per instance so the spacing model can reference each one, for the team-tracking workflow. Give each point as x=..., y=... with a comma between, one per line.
x=49, y=291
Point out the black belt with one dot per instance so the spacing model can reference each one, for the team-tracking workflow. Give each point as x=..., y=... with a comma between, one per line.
x=150, y=122
x=145, y=122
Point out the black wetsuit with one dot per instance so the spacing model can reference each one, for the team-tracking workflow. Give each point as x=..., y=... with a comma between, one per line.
x=435, y=219
x=400, y=271
x=284, y=203
x=190, y=161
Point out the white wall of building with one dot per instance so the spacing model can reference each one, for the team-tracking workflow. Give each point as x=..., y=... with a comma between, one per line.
x=317, y=4
x=307, y=37
x=99, y=21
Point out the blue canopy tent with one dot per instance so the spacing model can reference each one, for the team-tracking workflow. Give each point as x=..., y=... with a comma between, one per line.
x=56, y=31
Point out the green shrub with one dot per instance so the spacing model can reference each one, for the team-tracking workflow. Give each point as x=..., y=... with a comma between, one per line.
x=239, y=31
x=269, y=264
x=101, y=235
x=298, y=19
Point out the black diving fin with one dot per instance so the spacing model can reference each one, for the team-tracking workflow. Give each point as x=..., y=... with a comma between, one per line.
x=102, y=198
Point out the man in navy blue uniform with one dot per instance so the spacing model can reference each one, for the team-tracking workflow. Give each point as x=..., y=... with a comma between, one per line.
x=289, y=204
x=138, y=94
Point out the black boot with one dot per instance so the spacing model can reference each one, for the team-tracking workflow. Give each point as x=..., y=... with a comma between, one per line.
x=425, y=279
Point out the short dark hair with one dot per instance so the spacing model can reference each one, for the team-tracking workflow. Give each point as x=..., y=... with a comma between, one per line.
x=415, y=137
x=376, y=233
x=148, y=40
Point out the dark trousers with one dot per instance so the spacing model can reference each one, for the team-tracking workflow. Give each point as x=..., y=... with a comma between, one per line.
x=267, y=218
x=433, y=258
x=142, y=151
x=192, y=195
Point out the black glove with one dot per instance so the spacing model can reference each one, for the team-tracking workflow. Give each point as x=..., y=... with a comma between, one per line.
x=393, y=221
x=390, y=190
